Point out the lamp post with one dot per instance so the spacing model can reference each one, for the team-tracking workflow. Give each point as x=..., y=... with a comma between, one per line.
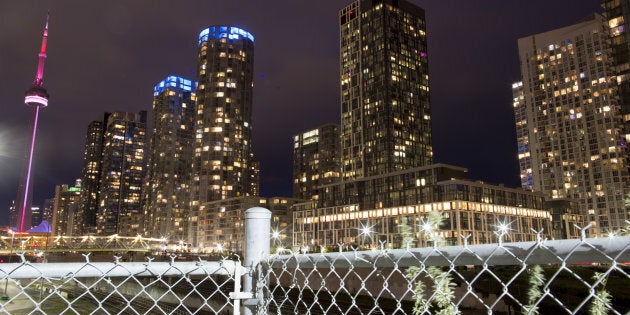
x=5, y=296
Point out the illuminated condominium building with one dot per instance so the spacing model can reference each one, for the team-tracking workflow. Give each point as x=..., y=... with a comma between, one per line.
x=36, y=215
x=223, y=161
x=617, y=13
x=522, y=135
x=167, y=203
x=91, y=177
x=47, y=209
x=569, y=122
x=389, y=204
x=66, y=205
x=122, y=172
x=316, y=160
x=389, y=183
x=223, y=222
x=385, y=110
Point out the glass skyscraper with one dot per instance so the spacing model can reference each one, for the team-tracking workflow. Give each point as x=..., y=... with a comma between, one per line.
x=91, y=177
x=122, y=174
x=617, y=13
x=569, y=104
x=223, y=160
x=385, y=109
x=167, y=203
x=389, y=180
x=316, y=160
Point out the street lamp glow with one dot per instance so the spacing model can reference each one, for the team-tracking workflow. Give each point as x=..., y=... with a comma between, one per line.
x=275, y=234
x=427, y=227
x=366, y=230
x=503, y=227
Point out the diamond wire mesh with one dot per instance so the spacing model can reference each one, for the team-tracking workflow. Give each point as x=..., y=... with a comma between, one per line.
x=117, y=288
x=568, y=276
x=585, y=276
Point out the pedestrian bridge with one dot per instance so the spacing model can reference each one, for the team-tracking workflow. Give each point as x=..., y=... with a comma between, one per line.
x=33, y=243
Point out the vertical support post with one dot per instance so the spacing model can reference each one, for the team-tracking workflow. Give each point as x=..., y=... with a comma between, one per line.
x=257, y=243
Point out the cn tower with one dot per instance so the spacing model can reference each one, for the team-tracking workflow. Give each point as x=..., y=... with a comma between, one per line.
x=35, y=97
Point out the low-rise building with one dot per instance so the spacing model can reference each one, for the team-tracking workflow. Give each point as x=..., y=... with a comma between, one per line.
x=394, y=207
x=222, y=227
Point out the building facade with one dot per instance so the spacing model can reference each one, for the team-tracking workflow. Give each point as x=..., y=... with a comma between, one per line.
x=66, y=205
x=389, y=204
x=617, y=21
x=122, y=174
x=91, y=176
x=574, y=122
x=389, y=184
x=522, y=136
x=385, y=109
x=36, y=215
x=47, y=211
x=222, y=226
x=167, y=201
x=316, y=160
x=223, y=160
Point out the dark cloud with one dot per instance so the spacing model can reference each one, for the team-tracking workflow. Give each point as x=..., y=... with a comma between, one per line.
x=108, y=55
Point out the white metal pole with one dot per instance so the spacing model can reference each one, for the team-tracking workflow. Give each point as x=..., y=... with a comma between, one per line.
x=257, y=243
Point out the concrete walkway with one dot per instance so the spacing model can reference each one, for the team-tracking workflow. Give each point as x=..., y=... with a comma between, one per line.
x=14, y=300
x=21, y=302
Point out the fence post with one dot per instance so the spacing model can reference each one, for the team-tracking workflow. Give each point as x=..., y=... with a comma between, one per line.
x=257, y=243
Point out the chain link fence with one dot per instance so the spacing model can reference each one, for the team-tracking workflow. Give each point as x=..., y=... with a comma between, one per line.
x=579, y=276
x=119, y=287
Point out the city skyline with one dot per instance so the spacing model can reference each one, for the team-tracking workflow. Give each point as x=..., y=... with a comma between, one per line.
x=132, y=54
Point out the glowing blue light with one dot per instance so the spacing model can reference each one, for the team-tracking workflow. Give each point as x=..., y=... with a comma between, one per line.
x=175, y=82
x=229, y=32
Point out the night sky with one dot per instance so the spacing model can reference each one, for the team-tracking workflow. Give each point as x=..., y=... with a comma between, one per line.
x=108, y=55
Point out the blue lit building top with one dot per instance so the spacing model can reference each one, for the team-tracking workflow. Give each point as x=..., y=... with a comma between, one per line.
x=173, y=81
x=229, y=32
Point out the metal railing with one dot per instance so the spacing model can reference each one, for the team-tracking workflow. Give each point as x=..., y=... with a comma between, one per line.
x=580, y=276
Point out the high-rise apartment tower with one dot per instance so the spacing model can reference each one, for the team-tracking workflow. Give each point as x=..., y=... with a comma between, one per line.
x=223, y=159
x=66, y=205
x=617, y=13
x=385, y=109
x=91, y=177
x=170, y=157
x=316, y=160
x=574, y=122
x=122, y=173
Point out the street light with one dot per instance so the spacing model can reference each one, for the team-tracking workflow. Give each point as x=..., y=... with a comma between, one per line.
x=275, y=235
x=503, y=228
x=366, y=232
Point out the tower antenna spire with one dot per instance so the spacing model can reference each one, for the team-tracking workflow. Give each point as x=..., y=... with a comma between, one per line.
x=39, y=77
